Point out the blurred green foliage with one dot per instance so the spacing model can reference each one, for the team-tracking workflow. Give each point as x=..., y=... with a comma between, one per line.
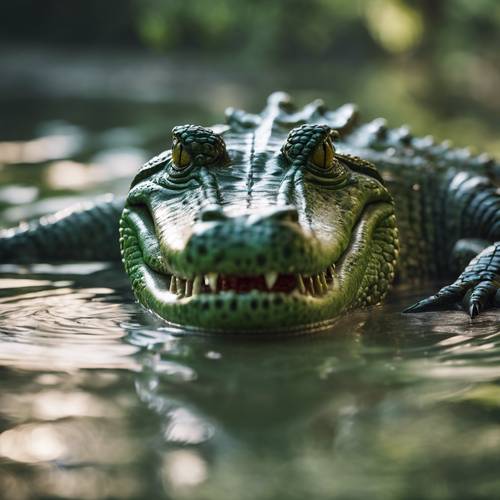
x=423, y=57
x=268, y=29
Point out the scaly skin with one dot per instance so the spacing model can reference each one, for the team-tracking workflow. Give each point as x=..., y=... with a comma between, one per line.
x=284, y=220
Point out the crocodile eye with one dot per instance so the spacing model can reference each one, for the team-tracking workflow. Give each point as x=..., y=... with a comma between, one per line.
x=180, y=156
x=198, y=147
x=323, y=155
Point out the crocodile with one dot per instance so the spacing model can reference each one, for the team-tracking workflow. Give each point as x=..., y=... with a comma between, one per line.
x=286, y=219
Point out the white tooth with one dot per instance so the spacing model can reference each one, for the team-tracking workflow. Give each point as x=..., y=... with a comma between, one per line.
x=310, y=283
x=317, y=285
x=330, y=272
x=300, y=281
x=189, y=287
x=180, y=286
x=333, y=272
x=271, y=278
x=173, y=285
x=212, y=281
x=197, y=285
x=323, y=281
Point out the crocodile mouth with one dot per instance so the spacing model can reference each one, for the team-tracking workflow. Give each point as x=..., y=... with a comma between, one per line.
x=267, y=301
x=213, y=283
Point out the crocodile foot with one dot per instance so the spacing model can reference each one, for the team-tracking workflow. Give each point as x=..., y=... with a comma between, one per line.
x=476, y=289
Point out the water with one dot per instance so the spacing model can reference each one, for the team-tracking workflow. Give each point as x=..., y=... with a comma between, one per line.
x=100, y=400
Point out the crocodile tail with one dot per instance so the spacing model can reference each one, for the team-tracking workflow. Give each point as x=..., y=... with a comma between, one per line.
x=85, y=232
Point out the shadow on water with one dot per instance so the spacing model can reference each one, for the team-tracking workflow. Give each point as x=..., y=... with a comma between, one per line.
x=98, y=400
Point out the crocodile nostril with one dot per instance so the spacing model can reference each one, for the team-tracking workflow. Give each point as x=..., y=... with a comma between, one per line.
x=285, y=214
x=212, y=213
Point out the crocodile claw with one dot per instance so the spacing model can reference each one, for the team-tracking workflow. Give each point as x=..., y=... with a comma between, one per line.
x=479, y=297
x=475, y=297
x=476, y=289
x=445, y=297
x=474, y=310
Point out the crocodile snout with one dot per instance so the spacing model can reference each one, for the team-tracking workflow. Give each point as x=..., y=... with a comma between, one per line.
x=268, y=239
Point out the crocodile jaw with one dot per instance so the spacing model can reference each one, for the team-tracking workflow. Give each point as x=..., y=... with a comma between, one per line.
x=314, y=301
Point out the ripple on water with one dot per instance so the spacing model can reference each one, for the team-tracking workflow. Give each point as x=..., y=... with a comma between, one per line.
x=55, y=320
x=355, y=411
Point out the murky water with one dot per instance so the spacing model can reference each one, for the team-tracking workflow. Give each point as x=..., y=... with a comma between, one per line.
x=99, y=400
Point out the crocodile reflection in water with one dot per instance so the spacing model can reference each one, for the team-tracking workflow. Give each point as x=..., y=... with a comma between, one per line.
x=337, y=411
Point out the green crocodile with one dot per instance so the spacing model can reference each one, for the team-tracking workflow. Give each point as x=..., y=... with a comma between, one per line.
x=283, y=220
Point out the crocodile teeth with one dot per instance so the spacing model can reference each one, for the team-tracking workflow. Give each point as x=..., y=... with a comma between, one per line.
x=180, y=286
x=322, y=278
x=189, y=288
x=173, y=284
x=317, y=285
x=300, y=281
x=197, y=285
x=310, y=285
x=211, y=281
x=270, y=278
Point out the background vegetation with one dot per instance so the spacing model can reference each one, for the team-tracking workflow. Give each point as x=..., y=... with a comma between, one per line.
x=433, y=63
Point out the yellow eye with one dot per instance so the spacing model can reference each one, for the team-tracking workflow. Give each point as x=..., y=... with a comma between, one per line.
x=180, y=156
x=323, y=155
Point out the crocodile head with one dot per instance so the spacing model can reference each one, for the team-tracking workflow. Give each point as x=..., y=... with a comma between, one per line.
x=264, y=226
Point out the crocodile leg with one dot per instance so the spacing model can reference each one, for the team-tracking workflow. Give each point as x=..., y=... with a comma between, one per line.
x=475, y=203
x=88, y=231
x=465, y=250
x=476, y=288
